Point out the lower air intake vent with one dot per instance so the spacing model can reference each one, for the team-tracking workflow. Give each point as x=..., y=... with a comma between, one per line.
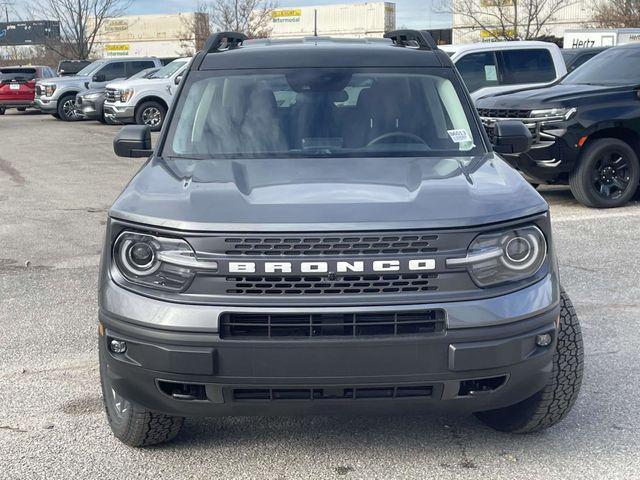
x=241, y=326
x=331, y=393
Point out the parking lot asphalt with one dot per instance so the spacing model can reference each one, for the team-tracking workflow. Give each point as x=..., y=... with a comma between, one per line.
x=57, y=181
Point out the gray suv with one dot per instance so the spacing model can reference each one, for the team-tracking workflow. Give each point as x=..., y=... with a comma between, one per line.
x=324, y=227
x=57, y=95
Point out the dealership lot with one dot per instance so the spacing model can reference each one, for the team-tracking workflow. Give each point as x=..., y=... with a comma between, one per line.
x=57, y=181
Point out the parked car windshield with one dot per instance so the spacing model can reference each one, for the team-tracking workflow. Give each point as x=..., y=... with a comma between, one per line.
x=91, y=68
x=146, y=73
x=623, y=62
x=322, y=112
x=169, y=69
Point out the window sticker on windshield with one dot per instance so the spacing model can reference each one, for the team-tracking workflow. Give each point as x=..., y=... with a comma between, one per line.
x=459, y=136
x=490, y=73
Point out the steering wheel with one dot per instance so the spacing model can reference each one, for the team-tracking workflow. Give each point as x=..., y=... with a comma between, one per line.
x=396, y=134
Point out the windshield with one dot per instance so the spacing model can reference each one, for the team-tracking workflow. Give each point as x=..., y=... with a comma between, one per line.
x=146, y=73
x=322, y=112
x=625, y=62
x=169, y=69
x=92, y=67
x=17, y=74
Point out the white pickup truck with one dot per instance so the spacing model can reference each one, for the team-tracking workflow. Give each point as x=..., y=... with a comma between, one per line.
x=144, y=101
x=497, y=67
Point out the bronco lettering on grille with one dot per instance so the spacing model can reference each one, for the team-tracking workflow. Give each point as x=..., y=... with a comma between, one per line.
x=414, y=265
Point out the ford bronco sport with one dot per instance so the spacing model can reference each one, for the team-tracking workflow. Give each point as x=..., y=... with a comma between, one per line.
x=324, y=227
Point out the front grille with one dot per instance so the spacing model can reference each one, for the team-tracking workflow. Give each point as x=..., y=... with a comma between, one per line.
x=111, y=95
x=249, y=326
x=352, y=245
x=331, y=393
x=503, y=113
x=351, y=284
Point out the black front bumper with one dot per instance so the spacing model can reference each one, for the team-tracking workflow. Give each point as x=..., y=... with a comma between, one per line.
x=551, y=159
x=351, y=375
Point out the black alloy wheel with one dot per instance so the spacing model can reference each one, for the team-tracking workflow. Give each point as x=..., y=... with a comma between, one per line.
x=611, y=174
x=607, y=174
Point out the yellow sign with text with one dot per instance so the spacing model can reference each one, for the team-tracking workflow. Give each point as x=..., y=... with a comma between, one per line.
x=121, y=47
x=497, y=33
x=294, y=12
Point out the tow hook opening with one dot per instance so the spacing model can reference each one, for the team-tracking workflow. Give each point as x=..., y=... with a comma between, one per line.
x=480, y=386
x=183, y=391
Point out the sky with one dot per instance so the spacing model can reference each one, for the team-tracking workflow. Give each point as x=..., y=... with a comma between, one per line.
x=418, y=14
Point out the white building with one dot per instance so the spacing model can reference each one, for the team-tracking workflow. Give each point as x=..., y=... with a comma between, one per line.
x=344, y=20
x=147, y=35
x=573, y=16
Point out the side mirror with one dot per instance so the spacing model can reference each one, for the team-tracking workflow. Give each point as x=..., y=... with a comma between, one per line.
x=133, y=141
x=100, y=77
x=511, y=137
x=178, y=79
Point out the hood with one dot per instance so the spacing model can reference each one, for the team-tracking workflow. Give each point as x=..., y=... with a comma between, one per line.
x=137, y=82
x=557, y=95
x=70, y=80
x=91, y=91
x=326, y=194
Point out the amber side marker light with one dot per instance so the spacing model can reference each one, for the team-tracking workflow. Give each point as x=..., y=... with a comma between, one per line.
x=100, y=329
x=581, y=141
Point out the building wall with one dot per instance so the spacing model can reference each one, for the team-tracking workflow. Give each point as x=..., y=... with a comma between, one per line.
x=574, y=15
x=147, y=35
x=348, y=20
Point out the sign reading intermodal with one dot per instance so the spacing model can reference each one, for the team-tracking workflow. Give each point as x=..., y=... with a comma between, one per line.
x=29, y=33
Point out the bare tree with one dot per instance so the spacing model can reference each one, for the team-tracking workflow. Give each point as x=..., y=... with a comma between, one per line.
x=80, y=22
x=251, y=17
x=617, y=14
x=506, y=19
x=195, y=30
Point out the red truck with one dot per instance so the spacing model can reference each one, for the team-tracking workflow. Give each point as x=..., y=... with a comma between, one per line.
x=17, y=86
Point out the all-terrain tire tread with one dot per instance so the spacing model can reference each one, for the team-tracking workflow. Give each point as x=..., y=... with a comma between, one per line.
x=555, y=400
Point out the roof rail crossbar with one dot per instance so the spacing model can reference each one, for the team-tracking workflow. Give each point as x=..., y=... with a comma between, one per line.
x=408, y=38
x=224, y=40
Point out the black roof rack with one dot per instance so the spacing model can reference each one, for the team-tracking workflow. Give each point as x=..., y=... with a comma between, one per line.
x=409, y=38
x=223, y=41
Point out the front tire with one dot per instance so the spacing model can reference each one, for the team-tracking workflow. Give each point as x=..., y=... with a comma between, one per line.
x=607, y=175
x=550, y=405
x=152, y=114
x=2, y=110
x=133, y=425
x=67, y=108
x=22, y=109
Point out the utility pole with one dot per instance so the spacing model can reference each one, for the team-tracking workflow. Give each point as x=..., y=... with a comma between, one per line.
x=315, y=23
x=6, y=5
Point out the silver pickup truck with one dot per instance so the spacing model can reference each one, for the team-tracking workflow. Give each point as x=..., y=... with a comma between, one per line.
x=57, y=95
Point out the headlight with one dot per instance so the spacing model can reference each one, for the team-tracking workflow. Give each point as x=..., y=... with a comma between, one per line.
x=49, y=90
x=554, y=114
x=504, y=257
x=92, y=96
x=125, y=95
x=157, y=262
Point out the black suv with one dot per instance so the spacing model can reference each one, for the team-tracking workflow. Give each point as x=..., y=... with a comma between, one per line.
x=323, y=226
x=586, y=128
